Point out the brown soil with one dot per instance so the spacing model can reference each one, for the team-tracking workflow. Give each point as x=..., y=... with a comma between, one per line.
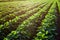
x=58, y=22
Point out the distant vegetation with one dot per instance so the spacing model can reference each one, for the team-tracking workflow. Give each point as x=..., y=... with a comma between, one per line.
x=10, y=0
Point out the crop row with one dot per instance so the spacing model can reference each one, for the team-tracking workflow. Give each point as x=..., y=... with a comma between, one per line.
x=47, y=30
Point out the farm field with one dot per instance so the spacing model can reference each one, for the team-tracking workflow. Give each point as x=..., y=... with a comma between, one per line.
x=30, y=20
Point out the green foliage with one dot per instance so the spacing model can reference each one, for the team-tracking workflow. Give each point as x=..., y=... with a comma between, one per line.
x=20, y=18
x=47, y=31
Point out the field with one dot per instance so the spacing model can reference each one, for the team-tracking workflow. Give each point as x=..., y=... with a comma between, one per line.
x=30, y=20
